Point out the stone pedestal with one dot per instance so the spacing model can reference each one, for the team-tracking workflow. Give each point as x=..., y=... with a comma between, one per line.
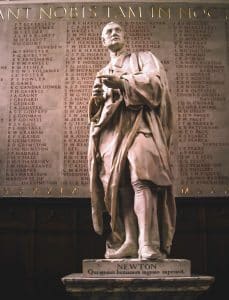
x=168, y=288
x=112, y=285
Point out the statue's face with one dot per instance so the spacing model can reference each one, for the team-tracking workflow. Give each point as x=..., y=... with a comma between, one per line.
x=113, y=37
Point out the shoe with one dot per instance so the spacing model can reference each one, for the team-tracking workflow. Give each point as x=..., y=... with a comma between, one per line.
x=127, y=250
x=147, y=252
x=109, y=252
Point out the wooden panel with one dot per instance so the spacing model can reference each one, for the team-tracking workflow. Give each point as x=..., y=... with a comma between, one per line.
x=16, y=254
x=55, y=218
x=84, y=221
x=16, y=216
x=41, y=241
x=217, y=222
x=55, y=254
x=190, y=246
x=95, y=246
x=188, y=216
x=217, y=217
x=189, y=239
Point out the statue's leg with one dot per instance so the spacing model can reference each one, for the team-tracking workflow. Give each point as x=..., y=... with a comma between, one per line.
x=129, y=217
x=145, y=206
x=130, y=246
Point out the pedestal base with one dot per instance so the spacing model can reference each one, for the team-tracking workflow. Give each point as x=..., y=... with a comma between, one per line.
x=167, y=288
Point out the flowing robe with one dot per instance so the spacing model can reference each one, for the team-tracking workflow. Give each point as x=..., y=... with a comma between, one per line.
x=132, y=128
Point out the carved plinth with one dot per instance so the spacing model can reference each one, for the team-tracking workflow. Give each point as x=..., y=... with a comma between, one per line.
x=168, y=288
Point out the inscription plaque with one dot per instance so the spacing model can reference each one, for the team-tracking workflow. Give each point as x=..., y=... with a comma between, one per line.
x=49, y=57
x=136, y=268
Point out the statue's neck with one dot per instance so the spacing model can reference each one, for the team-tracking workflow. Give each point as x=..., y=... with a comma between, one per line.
x=117, y=53
x=114, y=55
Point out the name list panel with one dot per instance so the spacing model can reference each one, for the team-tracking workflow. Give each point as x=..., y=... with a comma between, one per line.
x=50, y=55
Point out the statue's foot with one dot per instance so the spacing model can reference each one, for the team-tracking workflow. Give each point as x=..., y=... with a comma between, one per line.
x=127, y=250
x=109, y=252
x=147, y=252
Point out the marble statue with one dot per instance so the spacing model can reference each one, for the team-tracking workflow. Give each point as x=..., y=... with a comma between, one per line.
x=129, y=163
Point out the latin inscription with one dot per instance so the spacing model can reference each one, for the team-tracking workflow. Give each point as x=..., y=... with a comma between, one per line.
x=135, y=268
x=115, y=11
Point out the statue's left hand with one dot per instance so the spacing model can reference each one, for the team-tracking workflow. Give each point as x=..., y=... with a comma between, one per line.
x=112, y=81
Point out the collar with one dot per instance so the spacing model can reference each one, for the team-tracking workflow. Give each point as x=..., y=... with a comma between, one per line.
x=117, y=59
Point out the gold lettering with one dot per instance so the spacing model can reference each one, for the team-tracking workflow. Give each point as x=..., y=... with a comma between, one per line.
x=73, y=12
x=49, y=191
x=226, y=14
x=26, y=12
x=62, y=12
x=75, y=190
x=122, y=12
x=184, y=190
x=152, y=12
x=12, y=13
x=35, y=190
x=210, y=13
x=140, y=11
x=83, y=12
x=1, y=15
x=215, y=13
x=108, y=12
x=44, y=12
x=132, y=13
x=184, y=12
x=200, y=13
x=162, y=11
x=92, y=11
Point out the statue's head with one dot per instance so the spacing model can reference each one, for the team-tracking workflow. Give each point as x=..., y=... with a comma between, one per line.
x=113, y=36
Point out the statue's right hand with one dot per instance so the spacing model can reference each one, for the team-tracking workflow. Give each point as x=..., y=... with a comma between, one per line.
x=97, y=91
x=97, y=88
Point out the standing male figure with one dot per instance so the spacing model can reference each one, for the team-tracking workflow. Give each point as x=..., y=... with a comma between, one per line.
x=130, y=177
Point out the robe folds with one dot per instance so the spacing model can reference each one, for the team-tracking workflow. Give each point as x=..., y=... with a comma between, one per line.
x=132, y=128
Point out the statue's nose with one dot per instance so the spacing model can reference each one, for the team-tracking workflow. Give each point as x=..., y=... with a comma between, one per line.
x=114, y=32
